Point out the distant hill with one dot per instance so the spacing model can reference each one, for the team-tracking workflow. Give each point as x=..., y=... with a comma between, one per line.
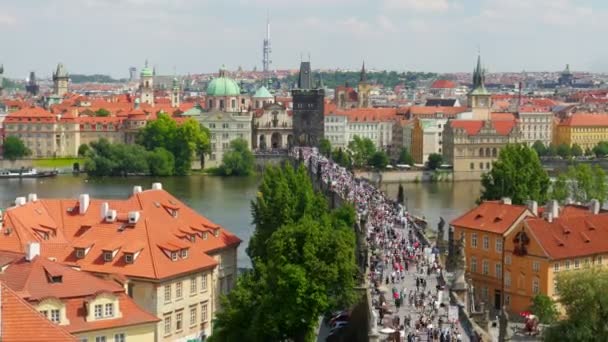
x=76, y=78
x=10, y=85
x=387, y=78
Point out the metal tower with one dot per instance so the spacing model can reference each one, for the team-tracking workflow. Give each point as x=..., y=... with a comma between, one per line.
x=266, y=51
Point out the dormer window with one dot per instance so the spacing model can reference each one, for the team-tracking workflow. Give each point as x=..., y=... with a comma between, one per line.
x=192, y=237
x=216, y=233
x=80, y=253
x=205, y=234
x=174, y=256
x=184, y=253
x=107, y=256
x=56, y=279
x=129, y=258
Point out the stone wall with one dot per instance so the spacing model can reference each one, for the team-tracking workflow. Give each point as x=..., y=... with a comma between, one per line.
x=411, y=176
x=17, y=164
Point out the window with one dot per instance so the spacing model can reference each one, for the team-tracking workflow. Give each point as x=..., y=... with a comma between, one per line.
x=473, y=264
x=167, y=293
x=586, y=262
x=178, y=290
x=486, y=242
x=507, y=279
x=119, y=337
x=481, y=166
x=100, y=339
x=508, y=299
x=84, y=339
x=167, y=325
x=109, y=310
x=472, y=166
x=193, y=286
x=556, y=267
x=98, y=311
x=107, y=256
x=567, y=264
x=599, y=260
x=484, y=292
x=499, y=244
x=55, y=316
x=474, y=240
x=79, y=253
x=485, y=267
x=535, y=266
x=204, y=312
x=178, y=320
x=498, y=270
x=508, y=259
x=174, y=256
x=205, y=235
x=192, y=315
x=577, y=263
x=184, y=253
x=204, y=283
x=535, y=286
x=128, y=258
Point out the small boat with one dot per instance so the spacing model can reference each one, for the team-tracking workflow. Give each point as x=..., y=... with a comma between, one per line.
x=27, y=173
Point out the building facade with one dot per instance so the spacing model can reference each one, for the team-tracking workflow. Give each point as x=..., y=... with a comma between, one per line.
x=273, y=128
x=584, y=129
x=427, y=138
x=60, y=81
x=536, y=124
x=308, y=109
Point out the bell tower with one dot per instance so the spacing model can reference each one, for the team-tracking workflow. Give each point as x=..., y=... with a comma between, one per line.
x=363, y=89
x=480, y=99
x=60, y=81
x=175, y=93
x=146, y=86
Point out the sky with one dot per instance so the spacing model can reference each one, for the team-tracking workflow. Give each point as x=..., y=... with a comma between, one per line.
x=197, y=36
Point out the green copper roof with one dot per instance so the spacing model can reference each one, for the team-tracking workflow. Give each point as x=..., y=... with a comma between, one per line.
x=223, y=86
x=480, y=91
x=147, y=71
x=262, y=92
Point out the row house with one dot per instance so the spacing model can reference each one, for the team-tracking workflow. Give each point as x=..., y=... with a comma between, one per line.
x=342, y=125
x=584, y=129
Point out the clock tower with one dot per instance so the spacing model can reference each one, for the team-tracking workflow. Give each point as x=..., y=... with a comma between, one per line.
x=480, y=99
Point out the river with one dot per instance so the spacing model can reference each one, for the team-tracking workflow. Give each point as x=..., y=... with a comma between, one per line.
x=226, y=201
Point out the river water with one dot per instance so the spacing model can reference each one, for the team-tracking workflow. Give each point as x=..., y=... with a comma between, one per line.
x=227, y=201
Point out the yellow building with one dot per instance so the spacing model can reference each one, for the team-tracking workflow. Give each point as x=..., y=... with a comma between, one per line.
x=584, y=129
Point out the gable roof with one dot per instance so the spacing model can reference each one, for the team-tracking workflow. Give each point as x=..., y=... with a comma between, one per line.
x=443, y=84
x=490, y=216
x=473, y=127
x=585, y=120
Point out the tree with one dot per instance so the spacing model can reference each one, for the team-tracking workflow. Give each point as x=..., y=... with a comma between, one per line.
x=106, y=159
x=161, y=162
x=577, y=150
x=540, y=148
x=342, y=158
x=586, y=183
x=325, y=147
x=518, y=174
x=564, y=151
x=102, y=112
x=551, y=150
x=83, y=149
x=588, y=152
x=560, y=189
x=239, y=160
x=405, y=157
x=361, y=150
x=14, y=148
x=379, y=160
x=601, y=149
x=435, y=160
x=583, y=296
x=545, y=308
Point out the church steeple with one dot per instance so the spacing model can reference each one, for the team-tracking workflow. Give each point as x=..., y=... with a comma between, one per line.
x=364, y=89
x=363, y=77
x=480, y=99
x=479, y=76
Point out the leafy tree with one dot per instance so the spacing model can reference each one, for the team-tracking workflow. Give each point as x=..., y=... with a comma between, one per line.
x=589, y=152
x=158, y=133
x=583, y=296
x=586, y=183
x=106, y=159
x=161, y=162
x=517, y=174
x=405, y=157
x=560, y=189
x=102, y=112
x=564, y=151
x=361, y=150
x=540, y=148
x=325, y=147
x=435, y=160
x=551, y=150
x=342, y=158
x=83, y=149
x=379, y=160
x=239, y=161
x=577, y=150
x=601, y=149
x=545, y=308
x=14, y=148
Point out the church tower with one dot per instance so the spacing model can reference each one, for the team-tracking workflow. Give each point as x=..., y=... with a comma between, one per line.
x=60, y=81
x=480, y=100
x=175, y=94
x=363, y=89
x=146, y=86
x=308, y=109
x=1, y=78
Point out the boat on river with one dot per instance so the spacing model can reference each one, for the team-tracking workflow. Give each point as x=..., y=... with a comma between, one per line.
x=27, y=173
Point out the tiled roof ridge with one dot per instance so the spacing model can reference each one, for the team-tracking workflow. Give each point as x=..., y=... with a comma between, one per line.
x=156, y=274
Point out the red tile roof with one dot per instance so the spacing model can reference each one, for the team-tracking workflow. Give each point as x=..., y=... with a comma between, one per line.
x=472, y=127
x=490, y=216
x=443, y=84
x=22, y=323
x=424, y=111
x=31, y=113
x=367, y=114
x=156, y=229
x=585, y=120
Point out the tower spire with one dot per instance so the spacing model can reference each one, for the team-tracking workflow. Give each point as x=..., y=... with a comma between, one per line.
x=363, y=77
x=266, y=50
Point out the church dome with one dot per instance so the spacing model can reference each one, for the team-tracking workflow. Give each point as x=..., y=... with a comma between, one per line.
x=146, y=71
x=223, y=86
x=262, y=93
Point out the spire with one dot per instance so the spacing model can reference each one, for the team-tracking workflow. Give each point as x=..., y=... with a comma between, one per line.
x=1, y=68
x=478, y=75
x=222, y=72
x=321, y=85
x=363, y=77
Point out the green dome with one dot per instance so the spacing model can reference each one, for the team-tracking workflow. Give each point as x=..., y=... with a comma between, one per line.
x=223, y=86
x=262, y=93
x=147, y=71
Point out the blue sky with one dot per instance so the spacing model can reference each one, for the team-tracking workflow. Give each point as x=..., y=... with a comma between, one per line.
x=108, y=36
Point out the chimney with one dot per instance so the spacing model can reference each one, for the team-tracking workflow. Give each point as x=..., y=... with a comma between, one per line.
x=506, y=200
x=137, y=189
x=83, y=203
x=550, y=217
x=104, y=209
x=133, y=217
x=533, y=207
x=32, y=198
x=32, y=250
x=595, y=206
x=553, y=209
x=111, y=215
x=157, y=186
x=569, y=201
x=19, y=201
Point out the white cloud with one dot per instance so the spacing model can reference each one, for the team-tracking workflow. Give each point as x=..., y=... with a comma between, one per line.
x=420, y=5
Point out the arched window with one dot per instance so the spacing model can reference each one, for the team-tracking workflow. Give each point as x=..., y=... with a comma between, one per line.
x=494, y=152
x=210, y=104
x=481, y=152
x=487, y=151
x=221, y=104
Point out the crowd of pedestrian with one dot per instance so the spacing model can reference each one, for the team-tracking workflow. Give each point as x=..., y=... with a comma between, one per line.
x=397, y=256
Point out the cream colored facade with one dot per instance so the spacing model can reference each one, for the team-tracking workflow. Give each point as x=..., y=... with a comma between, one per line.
x=138, y=333
x=536, y=126
x=47, y=139
x=225, y=127
x=274, y=128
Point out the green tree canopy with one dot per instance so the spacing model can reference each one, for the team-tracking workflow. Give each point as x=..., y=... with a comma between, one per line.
x=161, y=162
x=342, y=158
x=361, y=150
x=102, y=112
x=601, y=149
x=435, y=160
x=564, y=151
x=378, y=160
x=14, y=148
x=239, y=160
x=551, y=150
x=106, y=159
x=545, y=308
x=325, y=147
x=560, y=188
x=83, y=149
x=405, y=157
x=540, y=148
x=583, y=295
x=518, y=174
x=577, y=150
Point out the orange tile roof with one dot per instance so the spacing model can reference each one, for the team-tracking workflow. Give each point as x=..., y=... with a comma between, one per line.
x=156, y=228
x=585, y=120
x=503, y=116
x=490, y=216
x=570, y=237
x=22, y=323
x=443, y=84
x=473, y=127
x=28, y=113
